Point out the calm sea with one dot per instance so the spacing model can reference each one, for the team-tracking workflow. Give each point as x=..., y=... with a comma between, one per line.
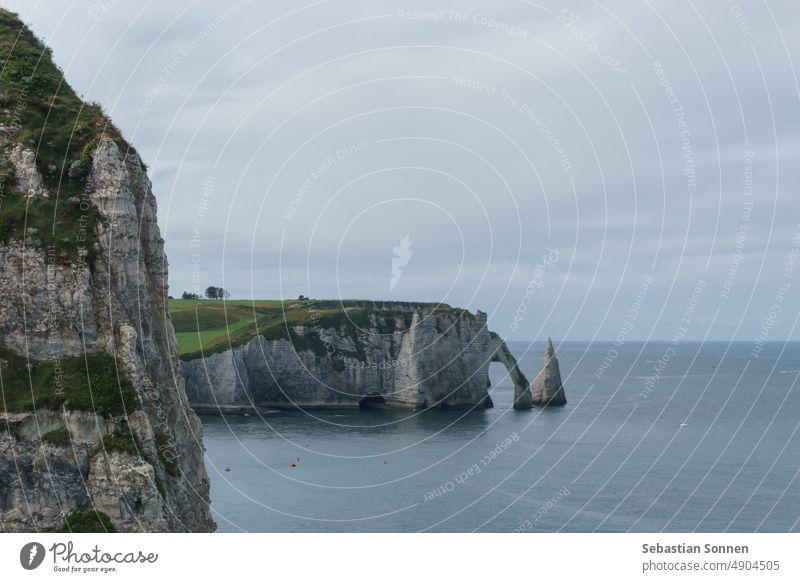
x=703, y=438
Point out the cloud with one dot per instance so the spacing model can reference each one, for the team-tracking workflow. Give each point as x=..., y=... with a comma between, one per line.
x=491, y=133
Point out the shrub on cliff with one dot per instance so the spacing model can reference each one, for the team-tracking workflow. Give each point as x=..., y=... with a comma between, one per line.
x=58, y=437
x=122, y=441
x=87, y=521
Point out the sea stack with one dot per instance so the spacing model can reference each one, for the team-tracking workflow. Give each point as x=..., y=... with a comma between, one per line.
x=547, y=389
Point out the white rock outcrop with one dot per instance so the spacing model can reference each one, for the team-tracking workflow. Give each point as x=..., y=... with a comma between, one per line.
x=28, y=178
x=547, y=388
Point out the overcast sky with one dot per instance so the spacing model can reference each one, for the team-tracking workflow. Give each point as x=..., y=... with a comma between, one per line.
x=572, y=172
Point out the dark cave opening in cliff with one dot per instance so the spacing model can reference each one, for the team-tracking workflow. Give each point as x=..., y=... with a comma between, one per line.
x=371, y=401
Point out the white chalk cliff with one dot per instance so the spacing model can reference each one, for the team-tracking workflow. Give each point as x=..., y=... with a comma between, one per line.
x=408, y=356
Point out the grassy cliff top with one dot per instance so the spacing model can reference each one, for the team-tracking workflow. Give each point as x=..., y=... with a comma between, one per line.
x=42, y=112
x=205, y=327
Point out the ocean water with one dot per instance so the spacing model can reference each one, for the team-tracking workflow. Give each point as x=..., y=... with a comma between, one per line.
x=702, y=439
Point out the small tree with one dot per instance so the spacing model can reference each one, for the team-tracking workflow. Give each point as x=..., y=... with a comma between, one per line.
x=217, y=293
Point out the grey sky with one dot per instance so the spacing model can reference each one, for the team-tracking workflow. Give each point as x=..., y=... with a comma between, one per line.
x=570, y=139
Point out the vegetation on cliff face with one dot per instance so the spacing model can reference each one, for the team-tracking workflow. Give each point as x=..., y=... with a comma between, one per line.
x=58, y=437
x=209, y=327
x=90, y=382
x=43, y=113
x=87, y=521
x=65, y=231
x=122, y=441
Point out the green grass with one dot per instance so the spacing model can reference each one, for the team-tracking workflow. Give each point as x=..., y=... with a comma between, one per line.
x=79, y=383
x=87, y=521
x=46, y=116
x=201, y=329
x=208, y=335
x=51, y=119
x=119, y=440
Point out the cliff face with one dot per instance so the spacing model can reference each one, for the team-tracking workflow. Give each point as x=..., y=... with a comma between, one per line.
x=423, y=358
x=94, y=414
x=112, y=305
